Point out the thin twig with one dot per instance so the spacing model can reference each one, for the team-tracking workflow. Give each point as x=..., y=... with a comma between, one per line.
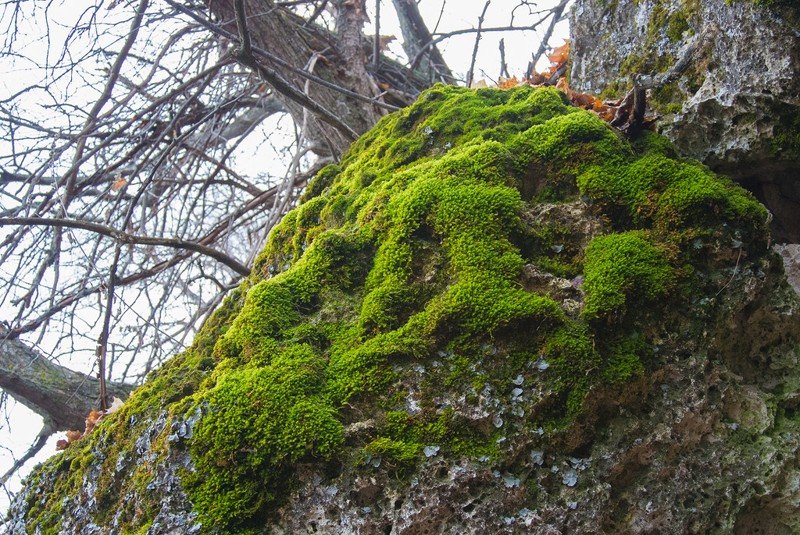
x=41, y=439
x=72, y=173
x=471, y=72
x=210, y=237
x=241, y=25
x=556, y=13
x=443, y=36
x=419, y=42
x=503, y=65
x=277, y=81
x=735, y=271
x=102, y=341
x=376, y=46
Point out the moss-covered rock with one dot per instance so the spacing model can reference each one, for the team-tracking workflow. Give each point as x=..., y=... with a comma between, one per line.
x=735, y=105
x=435, y=301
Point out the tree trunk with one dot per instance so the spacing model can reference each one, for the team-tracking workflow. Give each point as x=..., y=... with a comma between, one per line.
x=61, y=396
x=418, y=43
x=339, y=58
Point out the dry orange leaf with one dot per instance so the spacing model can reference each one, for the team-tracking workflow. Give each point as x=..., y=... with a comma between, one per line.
x=92, y=419
x=607, y=111
x=118, y=184
x=560, y=54
x=508, y=83
x=558, y=58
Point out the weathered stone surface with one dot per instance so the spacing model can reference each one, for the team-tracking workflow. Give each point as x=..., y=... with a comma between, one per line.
x=790, y=253
x=737, y=108
x=698, y=447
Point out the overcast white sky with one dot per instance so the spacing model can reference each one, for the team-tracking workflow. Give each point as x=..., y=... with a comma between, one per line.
x=23, y=425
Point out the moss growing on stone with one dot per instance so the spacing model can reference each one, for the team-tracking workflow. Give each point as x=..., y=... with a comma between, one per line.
x=621, y=268
x=398, y=453
x=412, y=249
x=668, y=25
x=666, y=194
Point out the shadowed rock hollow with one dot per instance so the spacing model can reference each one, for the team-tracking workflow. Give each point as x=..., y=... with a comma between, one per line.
x=495, y=315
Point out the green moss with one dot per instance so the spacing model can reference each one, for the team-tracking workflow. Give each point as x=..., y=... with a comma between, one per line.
x=677, y=26
x=667, y=99
x=653, y=144
x=413, y=249
x=620, y=268
x=666, y=25
x=574, y=360
x=258, y=421
x=403, y=437
x=669, y=195
x=626, y=356
x=610, y=4
x=398, y=453
x=555, y=249
x=614, y=90
x=647, y=63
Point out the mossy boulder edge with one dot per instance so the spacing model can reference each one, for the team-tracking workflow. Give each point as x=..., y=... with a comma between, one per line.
x=488, y=279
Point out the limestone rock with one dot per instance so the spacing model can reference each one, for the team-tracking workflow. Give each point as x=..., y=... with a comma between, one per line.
x=737, y=108
x=790, y=253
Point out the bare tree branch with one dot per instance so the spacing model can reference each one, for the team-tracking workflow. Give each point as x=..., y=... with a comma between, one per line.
x=555, y=14
x=41, y=439
x=125, y=238
x=471, y=72
x=418, y=42
x=218, y=30
x=63, y=397
x=271, y=76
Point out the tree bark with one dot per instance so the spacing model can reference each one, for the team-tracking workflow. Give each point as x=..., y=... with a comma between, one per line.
x=339, y=58
x=418, y=41
x=61, y=396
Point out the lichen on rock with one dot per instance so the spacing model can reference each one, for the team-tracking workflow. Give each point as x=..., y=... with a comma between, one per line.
x=494, y=314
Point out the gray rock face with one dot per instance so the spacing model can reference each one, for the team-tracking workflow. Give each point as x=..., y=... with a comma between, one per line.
x=79, y=513
x=654, y=468
x=737, y=108
x=790, y=253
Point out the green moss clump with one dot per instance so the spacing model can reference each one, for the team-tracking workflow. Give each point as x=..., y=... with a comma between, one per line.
x=399, y=453
x=620, y=268
x=397, y=197
x=413, y=249
x=626, y=356
x=572, y=355
x=669, y=195
x=259, y=420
